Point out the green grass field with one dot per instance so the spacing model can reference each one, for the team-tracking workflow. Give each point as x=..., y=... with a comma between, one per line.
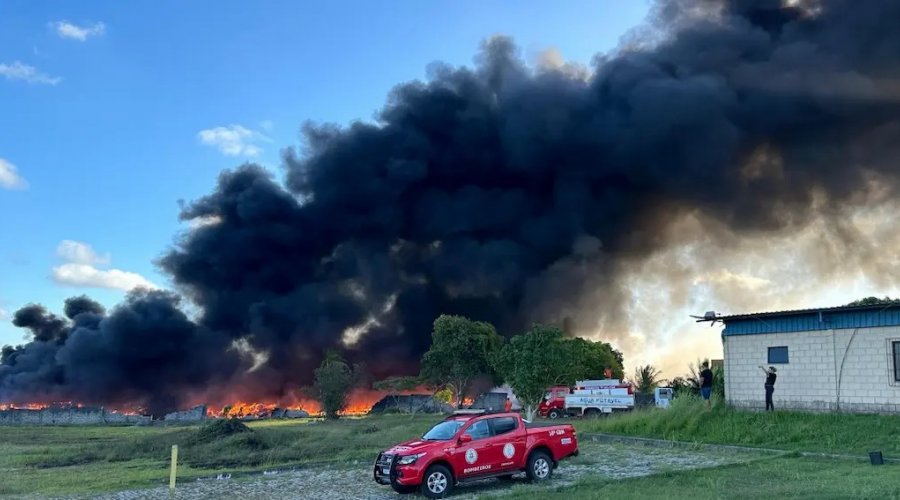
x=73, y=460
x=771, y=478
x=82, y=460
x=688, y=420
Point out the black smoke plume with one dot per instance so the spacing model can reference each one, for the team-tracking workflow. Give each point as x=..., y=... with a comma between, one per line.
x=502, y=192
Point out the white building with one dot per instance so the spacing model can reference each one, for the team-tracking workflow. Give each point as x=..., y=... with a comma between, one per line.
x=841, y=358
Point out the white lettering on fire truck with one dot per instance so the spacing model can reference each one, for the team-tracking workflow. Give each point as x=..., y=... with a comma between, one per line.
x=556, y=432
x=566, y=441
x=476, y=469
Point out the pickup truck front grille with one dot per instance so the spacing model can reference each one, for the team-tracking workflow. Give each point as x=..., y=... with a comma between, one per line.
x=384, y=460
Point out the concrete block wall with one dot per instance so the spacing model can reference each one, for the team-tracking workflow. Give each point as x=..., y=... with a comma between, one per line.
x=814, y=378
x=68, y=416
x=195, y=414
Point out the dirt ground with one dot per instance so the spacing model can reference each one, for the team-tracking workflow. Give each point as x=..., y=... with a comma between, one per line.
x=354, y=481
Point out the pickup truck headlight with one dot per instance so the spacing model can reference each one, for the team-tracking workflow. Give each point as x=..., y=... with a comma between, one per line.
x=409, y=459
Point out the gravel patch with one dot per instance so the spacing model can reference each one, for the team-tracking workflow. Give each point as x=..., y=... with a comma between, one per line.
x=354, y=482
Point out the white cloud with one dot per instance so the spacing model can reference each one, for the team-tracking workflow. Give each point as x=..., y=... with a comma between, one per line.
x=206, y=220
x=80, y=253
x=80, y=269
x=4, y=314
x=233, y=140
x=71, y=31
x=26, y=73
x=9, y=176
x=87, y=275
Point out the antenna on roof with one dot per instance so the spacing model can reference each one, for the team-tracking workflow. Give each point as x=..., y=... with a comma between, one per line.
x=711, y=316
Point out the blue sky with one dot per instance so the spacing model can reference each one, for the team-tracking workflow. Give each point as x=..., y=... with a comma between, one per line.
x=103, y=108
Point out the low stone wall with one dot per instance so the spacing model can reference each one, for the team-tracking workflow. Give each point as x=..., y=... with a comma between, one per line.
x=195, y=414
x=69, y=416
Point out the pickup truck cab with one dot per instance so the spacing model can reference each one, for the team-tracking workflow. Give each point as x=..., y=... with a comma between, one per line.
x=471, y=445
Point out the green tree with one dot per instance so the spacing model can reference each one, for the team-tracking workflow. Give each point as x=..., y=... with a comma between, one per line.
x=533, y=362
x=461, y=351
x=543, y=357
x=646, y=379
x=591, y=359
x=444, y=396
x=874, y=301
x=333, y=381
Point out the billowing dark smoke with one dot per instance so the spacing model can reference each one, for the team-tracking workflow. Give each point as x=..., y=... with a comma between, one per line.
x=504, y=193
x=146, y=351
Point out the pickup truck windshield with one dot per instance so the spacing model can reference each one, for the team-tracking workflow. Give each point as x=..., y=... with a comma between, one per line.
x=443, y=431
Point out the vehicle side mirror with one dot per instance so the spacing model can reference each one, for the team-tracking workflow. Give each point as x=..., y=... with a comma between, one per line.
x=465, y=438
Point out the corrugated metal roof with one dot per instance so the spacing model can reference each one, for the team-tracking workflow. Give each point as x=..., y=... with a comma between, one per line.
x=792, y=312
x=825, y=318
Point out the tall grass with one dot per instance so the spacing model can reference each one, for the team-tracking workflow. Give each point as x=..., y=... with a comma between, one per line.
x=688, y=420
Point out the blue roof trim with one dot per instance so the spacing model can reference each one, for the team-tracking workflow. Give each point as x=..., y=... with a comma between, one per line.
x=811, y=321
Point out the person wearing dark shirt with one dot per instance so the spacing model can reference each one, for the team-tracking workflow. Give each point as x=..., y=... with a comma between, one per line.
x=770, y=386
x=706, y=381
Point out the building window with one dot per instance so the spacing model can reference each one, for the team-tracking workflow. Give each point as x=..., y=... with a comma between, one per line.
x=778, y=355
x=896, y=345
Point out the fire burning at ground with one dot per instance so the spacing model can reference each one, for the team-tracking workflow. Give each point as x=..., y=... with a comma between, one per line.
x=66, y=405
x=360, y=401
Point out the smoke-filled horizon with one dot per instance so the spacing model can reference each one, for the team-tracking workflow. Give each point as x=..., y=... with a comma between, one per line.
x=503, y=192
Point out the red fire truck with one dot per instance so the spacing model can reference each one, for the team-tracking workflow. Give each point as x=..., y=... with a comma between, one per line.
x=587, y=398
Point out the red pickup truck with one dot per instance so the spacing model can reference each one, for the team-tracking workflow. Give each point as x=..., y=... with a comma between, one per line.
x=471, y=445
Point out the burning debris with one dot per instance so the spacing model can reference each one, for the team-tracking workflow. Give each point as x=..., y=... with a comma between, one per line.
x=501, y=192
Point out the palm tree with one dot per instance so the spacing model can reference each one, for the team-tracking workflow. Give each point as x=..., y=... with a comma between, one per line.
x=646, y=379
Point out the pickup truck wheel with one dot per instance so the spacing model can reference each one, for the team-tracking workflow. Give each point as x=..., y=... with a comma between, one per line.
x=437, y=482
x=540, y=467
x=554, y=414
x=403, y=490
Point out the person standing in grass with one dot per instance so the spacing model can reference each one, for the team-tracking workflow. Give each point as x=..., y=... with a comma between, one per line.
x=706, y=381
x=770, y=386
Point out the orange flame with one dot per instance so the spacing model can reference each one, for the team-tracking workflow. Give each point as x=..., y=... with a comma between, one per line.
x=65, y=405
x=26, y=406
x=359, y=402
